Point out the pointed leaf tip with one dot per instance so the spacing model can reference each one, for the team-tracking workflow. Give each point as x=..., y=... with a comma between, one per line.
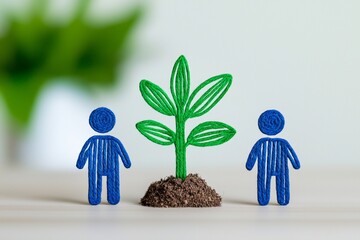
x=210, y=134
x=157, y=98
x=214, y=90
x=156, y=132
x=180, y=82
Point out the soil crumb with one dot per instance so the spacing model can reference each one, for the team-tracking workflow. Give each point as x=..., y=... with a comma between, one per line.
x=174, y=192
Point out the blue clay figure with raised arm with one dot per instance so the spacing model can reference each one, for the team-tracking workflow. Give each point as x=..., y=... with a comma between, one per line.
x=272, y=155
x=102, y=153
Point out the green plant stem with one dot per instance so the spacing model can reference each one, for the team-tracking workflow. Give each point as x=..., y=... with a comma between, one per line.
x=180, y=147
x=14, y=136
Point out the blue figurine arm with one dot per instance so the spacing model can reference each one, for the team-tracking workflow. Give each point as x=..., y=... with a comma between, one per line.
x=292, y=156
x=84, y=154
x=254, y=154
x=123, y=154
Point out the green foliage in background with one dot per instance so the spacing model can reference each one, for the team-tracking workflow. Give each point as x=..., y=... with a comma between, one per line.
x=183, y=106
x=34, y=52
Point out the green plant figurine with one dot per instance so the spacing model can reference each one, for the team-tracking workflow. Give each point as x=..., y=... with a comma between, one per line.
x=185, y=106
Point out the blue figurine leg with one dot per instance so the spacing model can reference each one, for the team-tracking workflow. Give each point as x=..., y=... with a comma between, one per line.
x=264, y=189
x=95, y=184
x=113, y=187
x=283, y=187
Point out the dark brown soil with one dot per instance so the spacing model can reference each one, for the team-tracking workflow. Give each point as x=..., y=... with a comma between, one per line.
x=174, y=192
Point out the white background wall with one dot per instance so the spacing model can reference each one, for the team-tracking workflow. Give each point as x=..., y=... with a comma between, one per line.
x=300, y=57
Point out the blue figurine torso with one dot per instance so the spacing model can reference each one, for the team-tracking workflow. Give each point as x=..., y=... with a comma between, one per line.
x=104, y=154
x=273, y=157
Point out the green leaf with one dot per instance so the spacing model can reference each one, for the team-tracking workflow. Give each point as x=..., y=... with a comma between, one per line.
x=210, y=134
x=157, y=98
x=156, y=132
x=180, y=82
x=215, y=88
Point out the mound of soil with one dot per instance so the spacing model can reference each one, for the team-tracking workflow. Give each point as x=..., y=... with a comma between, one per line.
x=174, y=192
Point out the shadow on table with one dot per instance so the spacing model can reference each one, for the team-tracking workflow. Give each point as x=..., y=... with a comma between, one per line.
x=44, y=198
x=60, y=200
x=129, y=200
x=27, y=194
x=246, y=202
x=240, y=202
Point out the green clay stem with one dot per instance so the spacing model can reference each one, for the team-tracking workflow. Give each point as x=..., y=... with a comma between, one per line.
x=180, y=147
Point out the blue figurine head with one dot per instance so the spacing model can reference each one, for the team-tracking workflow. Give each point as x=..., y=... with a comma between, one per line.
x=102, y=120
x=271, y=122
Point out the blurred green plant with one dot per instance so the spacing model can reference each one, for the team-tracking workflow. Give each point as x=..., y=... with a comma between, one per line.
x=34, y=52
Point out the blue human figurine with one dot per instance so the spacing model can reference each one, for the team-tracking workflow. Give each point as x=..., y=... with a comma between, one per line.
x=272, y=155
x=102, y=153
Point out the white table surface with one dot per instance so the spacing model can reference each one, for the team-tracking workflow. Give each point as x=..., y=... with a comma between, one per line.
x=325, y=204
